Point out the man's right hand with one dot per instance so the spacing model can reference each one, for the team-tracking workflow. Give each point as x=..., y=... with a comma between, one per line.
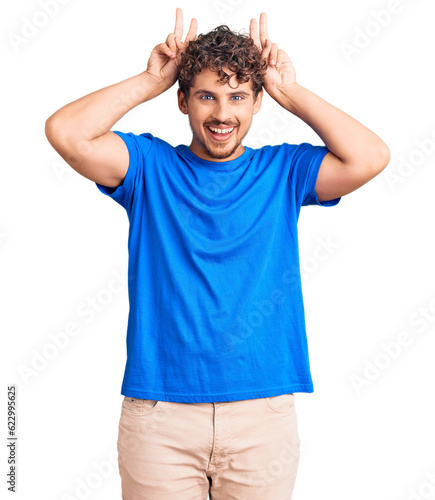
x=162, y=64
x=80, y=131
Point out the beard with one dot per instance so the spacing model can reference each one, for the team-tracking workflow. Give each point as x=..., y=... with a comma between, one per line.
x=220, y=151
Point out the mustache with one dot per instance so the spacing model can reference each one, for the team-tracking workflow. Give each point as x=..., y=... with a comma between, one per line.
x=229, y=125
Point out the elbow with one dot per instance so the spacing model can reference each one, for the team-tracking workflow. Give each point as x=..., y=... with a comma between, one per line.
x=49, y=128
x=380, y=159
x=384, y=156
x=55, y=131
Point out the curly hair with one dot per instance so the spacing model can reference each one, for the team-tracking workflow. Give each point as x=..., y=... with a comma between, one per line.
x=220, y=48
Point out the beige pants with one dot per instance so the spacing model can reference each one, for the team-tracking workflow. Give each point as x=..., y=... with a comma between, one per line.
x=236, y=450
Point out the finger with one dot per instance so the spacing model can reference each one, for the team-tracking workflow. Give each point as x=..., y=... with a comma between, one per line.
x=178, y=31
x=267, y=47
x=170, y=42
x=191, y=34
x=263, y=28
x=280, y=58
x=165, y=49
x=273, y=54
x=180, y=45
x=253, y=32
x=266, y=51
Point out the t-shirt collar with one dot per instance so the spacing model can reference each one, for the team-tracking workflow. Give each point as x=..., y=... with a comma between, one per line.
x=216, y=165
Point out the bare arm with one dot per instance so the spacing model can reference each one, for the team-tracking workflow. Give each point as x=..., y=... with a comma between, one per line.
x=80, y=131
x=356, y=154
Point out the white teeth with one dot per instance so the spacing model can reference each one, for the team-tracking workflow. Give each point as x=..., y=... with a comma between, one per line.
x=221, y=131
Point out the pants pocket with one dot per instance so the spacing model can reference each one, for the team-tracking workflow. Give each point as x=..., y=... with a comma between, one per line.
x=138, y=406
x=284, y=403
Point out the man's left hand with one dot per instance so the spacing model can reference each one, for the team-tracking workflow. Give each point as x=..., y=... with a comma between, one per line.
x=280, y=71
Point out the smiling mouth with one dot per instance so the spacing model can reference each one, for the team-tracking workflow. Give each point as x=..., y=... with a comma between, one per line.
x=220, y=134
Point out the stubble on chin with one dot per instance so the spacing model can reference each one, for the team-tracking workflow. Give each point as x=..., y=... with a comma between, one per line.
x=218, y=153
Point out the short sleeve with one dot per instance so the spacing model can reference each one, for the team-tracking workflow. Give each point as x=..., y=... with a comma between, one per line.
x=304, y=168
x=138, y=147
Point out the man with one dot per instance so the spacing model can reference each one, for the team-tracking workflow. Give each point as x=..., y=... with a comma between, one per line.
x=216, y=341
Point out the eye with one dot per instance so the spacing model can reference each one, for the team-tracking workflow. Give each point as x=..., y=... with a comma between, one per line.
x=206, y=95
x=238, y=97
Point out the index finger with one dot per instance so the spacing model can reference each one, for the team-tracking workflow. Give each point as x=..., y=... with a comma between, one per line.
x=178, y=23
x=253, y=32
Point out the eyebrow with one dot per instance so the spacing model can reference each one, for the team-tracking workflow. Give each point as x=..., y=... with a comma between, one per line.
x=239, y=92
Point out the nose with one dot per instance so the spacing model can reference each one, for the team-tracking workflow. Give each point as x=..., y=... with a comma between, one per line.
x=222, y=112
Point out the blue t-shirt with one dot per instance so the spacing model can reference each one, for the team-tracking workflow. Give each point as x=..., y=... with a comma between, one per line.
x=216, y=310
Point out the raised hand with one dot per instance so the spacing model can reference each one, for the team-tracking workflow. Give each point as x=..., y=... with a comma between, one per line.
x=280, y=70
x=162, y=64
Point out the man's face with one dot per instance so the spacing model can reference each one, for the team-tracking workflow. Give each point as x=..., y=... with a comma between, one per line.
x=217, y=105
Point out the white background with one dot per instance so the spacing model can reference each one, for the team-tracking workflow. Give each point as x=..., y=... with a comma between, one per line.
x=61, y=240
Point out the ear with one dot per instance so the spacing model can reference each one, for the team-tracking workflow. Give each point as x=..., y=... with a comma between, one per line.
x=182, y=102
x=258, y=101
